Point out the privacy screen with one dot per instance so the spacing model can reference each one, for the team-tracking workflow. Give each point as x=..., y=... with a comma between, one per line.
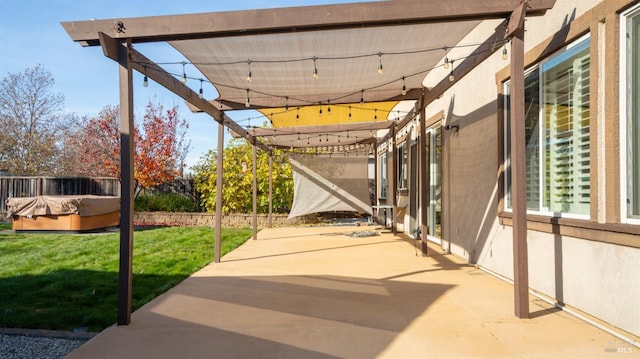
x=324, y=183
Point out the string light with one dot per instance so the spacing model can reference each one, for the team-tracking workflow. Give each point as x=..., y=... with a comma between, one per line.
x=349, y=112
x=201, y=92
x=451, y=76
x=249, y=77
x=446, y=58
x=329, y=107
x=315, y=69
x=320, y=112
x=449, y=63
x=297, y=113
x=380, y=71
x=504, y=52
x=248, y=103
x=375, y=114
x=145, y=81
x=404, y=87
x=184, y=74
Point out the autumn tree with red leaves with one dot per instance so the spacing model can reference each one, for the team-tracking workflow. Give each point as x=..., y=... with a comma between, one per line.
x=160, y=146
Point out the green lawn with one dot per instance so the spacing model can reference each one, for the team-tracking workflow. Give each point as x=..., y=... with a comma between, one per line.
x=66, y=281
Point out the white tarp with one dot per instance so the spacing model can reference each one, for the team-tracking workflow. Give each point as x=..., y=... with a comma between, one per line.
x=324, y=183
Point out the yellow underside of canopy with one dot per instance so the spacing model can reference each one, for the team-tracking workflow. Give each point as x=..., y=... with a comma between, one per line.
x=319, y=115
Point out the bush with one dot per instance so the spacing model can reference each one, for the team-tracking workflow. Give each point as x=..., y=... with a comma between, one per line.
x=173, y=202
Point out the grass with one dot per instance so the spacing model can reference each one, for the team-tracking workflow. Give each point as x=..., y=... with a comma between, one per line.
x=67, y=281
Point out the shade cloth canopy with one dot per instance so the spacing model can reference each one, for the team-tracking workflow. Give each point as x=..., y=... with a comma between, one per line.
x=347, y=62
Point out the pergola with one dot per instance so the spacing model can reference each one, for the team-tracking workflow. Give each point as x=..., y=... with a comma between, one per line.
x=356, y=61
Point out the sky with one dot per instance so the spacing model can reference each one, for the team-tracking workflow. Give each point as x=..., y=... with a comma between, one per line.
x=31, y=34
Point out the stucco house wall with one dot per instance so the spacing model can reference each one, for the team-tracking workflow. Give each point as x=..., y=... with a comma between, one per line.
x=601, y=279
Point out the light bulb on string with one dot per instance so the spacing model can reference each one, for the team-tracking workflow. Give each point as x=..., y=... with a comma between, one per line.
x=247, y=104
x=145, y=81
x=286, y=103
x=201, y=92
x=297, y=113
x=315, y=69
x=184, y=74
x=505, y=54
x=380, y=71
x=362, y=97
x=446, y=58
x=249, y=77
x=404, y=87
x=349, y=112
x=451, y=75
x=328, y=107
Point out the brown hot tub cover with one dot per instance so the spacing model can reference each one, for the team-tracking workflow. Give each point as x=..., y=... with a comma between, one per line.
x=83, y=205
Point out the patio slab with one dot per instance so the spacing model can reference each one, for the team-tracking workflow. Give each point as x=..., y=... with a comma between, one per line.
x=314, y=292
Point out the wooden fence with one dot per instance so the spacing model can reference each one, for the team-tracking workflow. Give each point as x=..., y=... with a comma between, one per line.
x=11, y=186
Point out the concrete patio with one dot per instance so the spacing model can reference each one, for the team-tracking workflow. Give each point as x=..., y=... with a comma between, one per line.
x=315, y=292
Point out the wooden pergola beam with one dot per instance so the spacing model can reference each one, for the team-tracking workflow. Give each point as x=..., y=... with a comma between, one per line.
x=144, y=65
x=283, y=20
x=306, y=130
x=372, y=96
x=481, y=53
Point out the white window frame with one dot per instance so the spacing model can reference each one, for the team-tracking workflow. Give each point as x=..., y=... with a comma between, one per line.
x=384, y=175
x=403, y=166
x=624, y=158
x=542, y=210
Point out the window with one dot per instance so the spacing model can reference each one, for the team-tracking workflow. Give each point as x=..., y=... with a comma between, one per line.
x=402, y=166
x=557, y=122
x=383, y=174
x=631, y=132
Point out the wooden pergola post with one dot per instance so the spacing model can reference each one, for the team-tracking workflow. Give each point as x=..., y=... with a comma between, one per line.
x=423, y=164
x=394, y=180
x=219, y=185
x=255, y=189
x=126, y=182
x=515, y=30
x=270, y=190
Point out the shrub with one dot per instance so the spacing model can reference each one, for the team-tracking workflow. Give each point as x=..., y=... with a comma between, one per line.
x=172, y=202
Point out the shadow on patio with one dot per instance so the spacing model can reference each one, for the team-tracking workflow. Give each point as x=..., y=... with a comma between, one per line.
x=304, y=294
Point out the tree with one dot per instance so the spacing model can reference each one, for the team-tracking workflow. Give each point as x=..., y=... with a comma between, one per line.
x=237, y=191
x=33, y=122
x=96, y=144
x=159, y=146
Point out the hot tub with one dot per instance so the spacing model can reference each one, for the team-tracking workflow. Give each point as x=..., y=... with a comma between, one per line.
x=63, y=213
